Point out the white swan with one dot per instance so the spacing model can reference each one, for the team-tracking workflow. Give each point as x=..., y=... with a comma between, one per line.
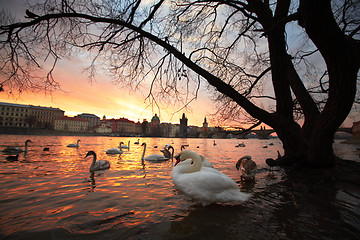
x=74, y=145
x=115, y=150
x=240, y=145
x=153, y=157
x=206, y=185
x=247, y=168
x=205, y=162
x=97, y=165
x=166, y=151
x=126, y=147
x=15, y=150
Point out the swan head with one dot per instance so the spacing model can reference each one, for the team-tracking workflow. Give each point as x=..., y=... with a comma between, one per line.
x=143, y=144
x=183, y=146
x=27, y=141
x=90, y=153
x=240, y=160
x=186, y=154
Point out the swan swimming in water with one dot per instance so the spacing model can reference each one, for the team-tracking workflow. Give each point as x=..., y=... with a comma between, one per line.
x=247, y=168
x=153, y=157
x=97, y=165
x=74, y=145
x=12, y=158
x=16, y=150
x=126, y=147
x=166, y=151
x=240, y=145
x=271, y=162
x=206, y=185
x=115, y=150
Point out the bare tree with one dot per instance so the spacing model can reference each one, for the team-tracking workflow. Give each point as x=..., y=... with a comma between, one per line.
x=238, y=48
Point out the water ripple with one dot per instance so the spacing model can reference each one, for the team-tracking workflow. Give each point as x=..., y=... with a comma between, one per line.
x=52, y=195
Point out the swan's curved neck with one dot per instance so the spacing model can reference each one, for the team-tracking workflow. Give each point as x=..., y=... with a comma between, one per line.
x=197, y=162
x=93, y=163
x=195, y=165
x=172, y=152
x=143, y=155
x=94, y=159
x=26, y=146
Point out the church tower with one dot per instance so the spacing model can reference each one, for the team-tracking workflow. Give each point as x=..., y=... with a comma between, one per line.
x=205, y=124
x=183, y=126
x=204, y=129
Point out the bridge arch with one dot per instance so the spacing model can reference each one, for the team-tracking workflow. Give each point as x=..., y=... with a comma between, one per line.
x=262, y=133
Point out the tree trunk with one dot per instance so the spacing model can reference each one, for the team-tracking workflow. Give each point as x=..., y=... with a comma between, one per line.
x=313, y=143
x=342, y=64
x=288, y=131
x=294, y=144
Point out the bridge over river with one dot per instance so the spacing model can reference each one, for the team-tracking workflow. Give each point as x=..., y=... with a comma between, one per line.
x=262, y=133
x=265, y=133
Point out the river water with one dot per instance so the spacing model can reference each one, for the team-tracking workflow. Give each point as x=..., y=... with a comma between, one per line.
x=51, y=195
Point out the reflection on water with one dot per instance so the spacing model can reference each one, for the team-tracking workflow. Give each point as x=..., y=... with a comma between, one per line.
x=52, y=195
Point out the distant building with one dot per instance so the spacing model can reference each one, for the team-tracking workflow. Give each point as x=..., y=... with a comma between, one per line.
x=194, y=131
x=183, y=126
x=25, y=116
x=71, y=124
x=155, y=126
x=14, y=115
x=122, y=126
x=128, y=127
x=45, y=116
x=205, y=131
x=103, y=127
x=93, y=119
x=169, y=130
x=205, y=124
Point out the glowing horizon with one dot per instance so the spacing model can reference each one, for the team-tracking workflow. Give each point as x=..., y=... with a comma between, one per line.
x=105, y=98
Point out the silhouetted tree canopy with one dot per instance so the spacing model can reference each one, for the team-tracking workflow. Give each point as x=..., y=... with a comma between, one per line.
x=274, y=60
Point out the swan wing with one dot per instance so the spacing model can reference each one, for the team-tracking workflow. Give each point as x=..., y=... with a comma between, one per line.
x=209, y=186
x=12, y=150
x=113, y=151
x=101, y=165
x=155, y=157
x=166, y=153
x=205, y=162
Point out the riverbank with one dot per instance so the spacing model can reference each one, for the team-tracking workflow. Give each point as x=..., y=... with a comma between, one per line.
x=40, y=131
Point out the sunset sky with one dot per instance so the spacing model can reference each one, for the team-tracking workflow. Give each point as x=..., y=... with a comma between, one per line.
x=102, y=97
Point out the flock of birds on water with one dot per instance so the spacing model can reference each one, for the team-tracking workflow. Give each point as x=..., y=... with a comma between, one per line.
x=192, y=173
